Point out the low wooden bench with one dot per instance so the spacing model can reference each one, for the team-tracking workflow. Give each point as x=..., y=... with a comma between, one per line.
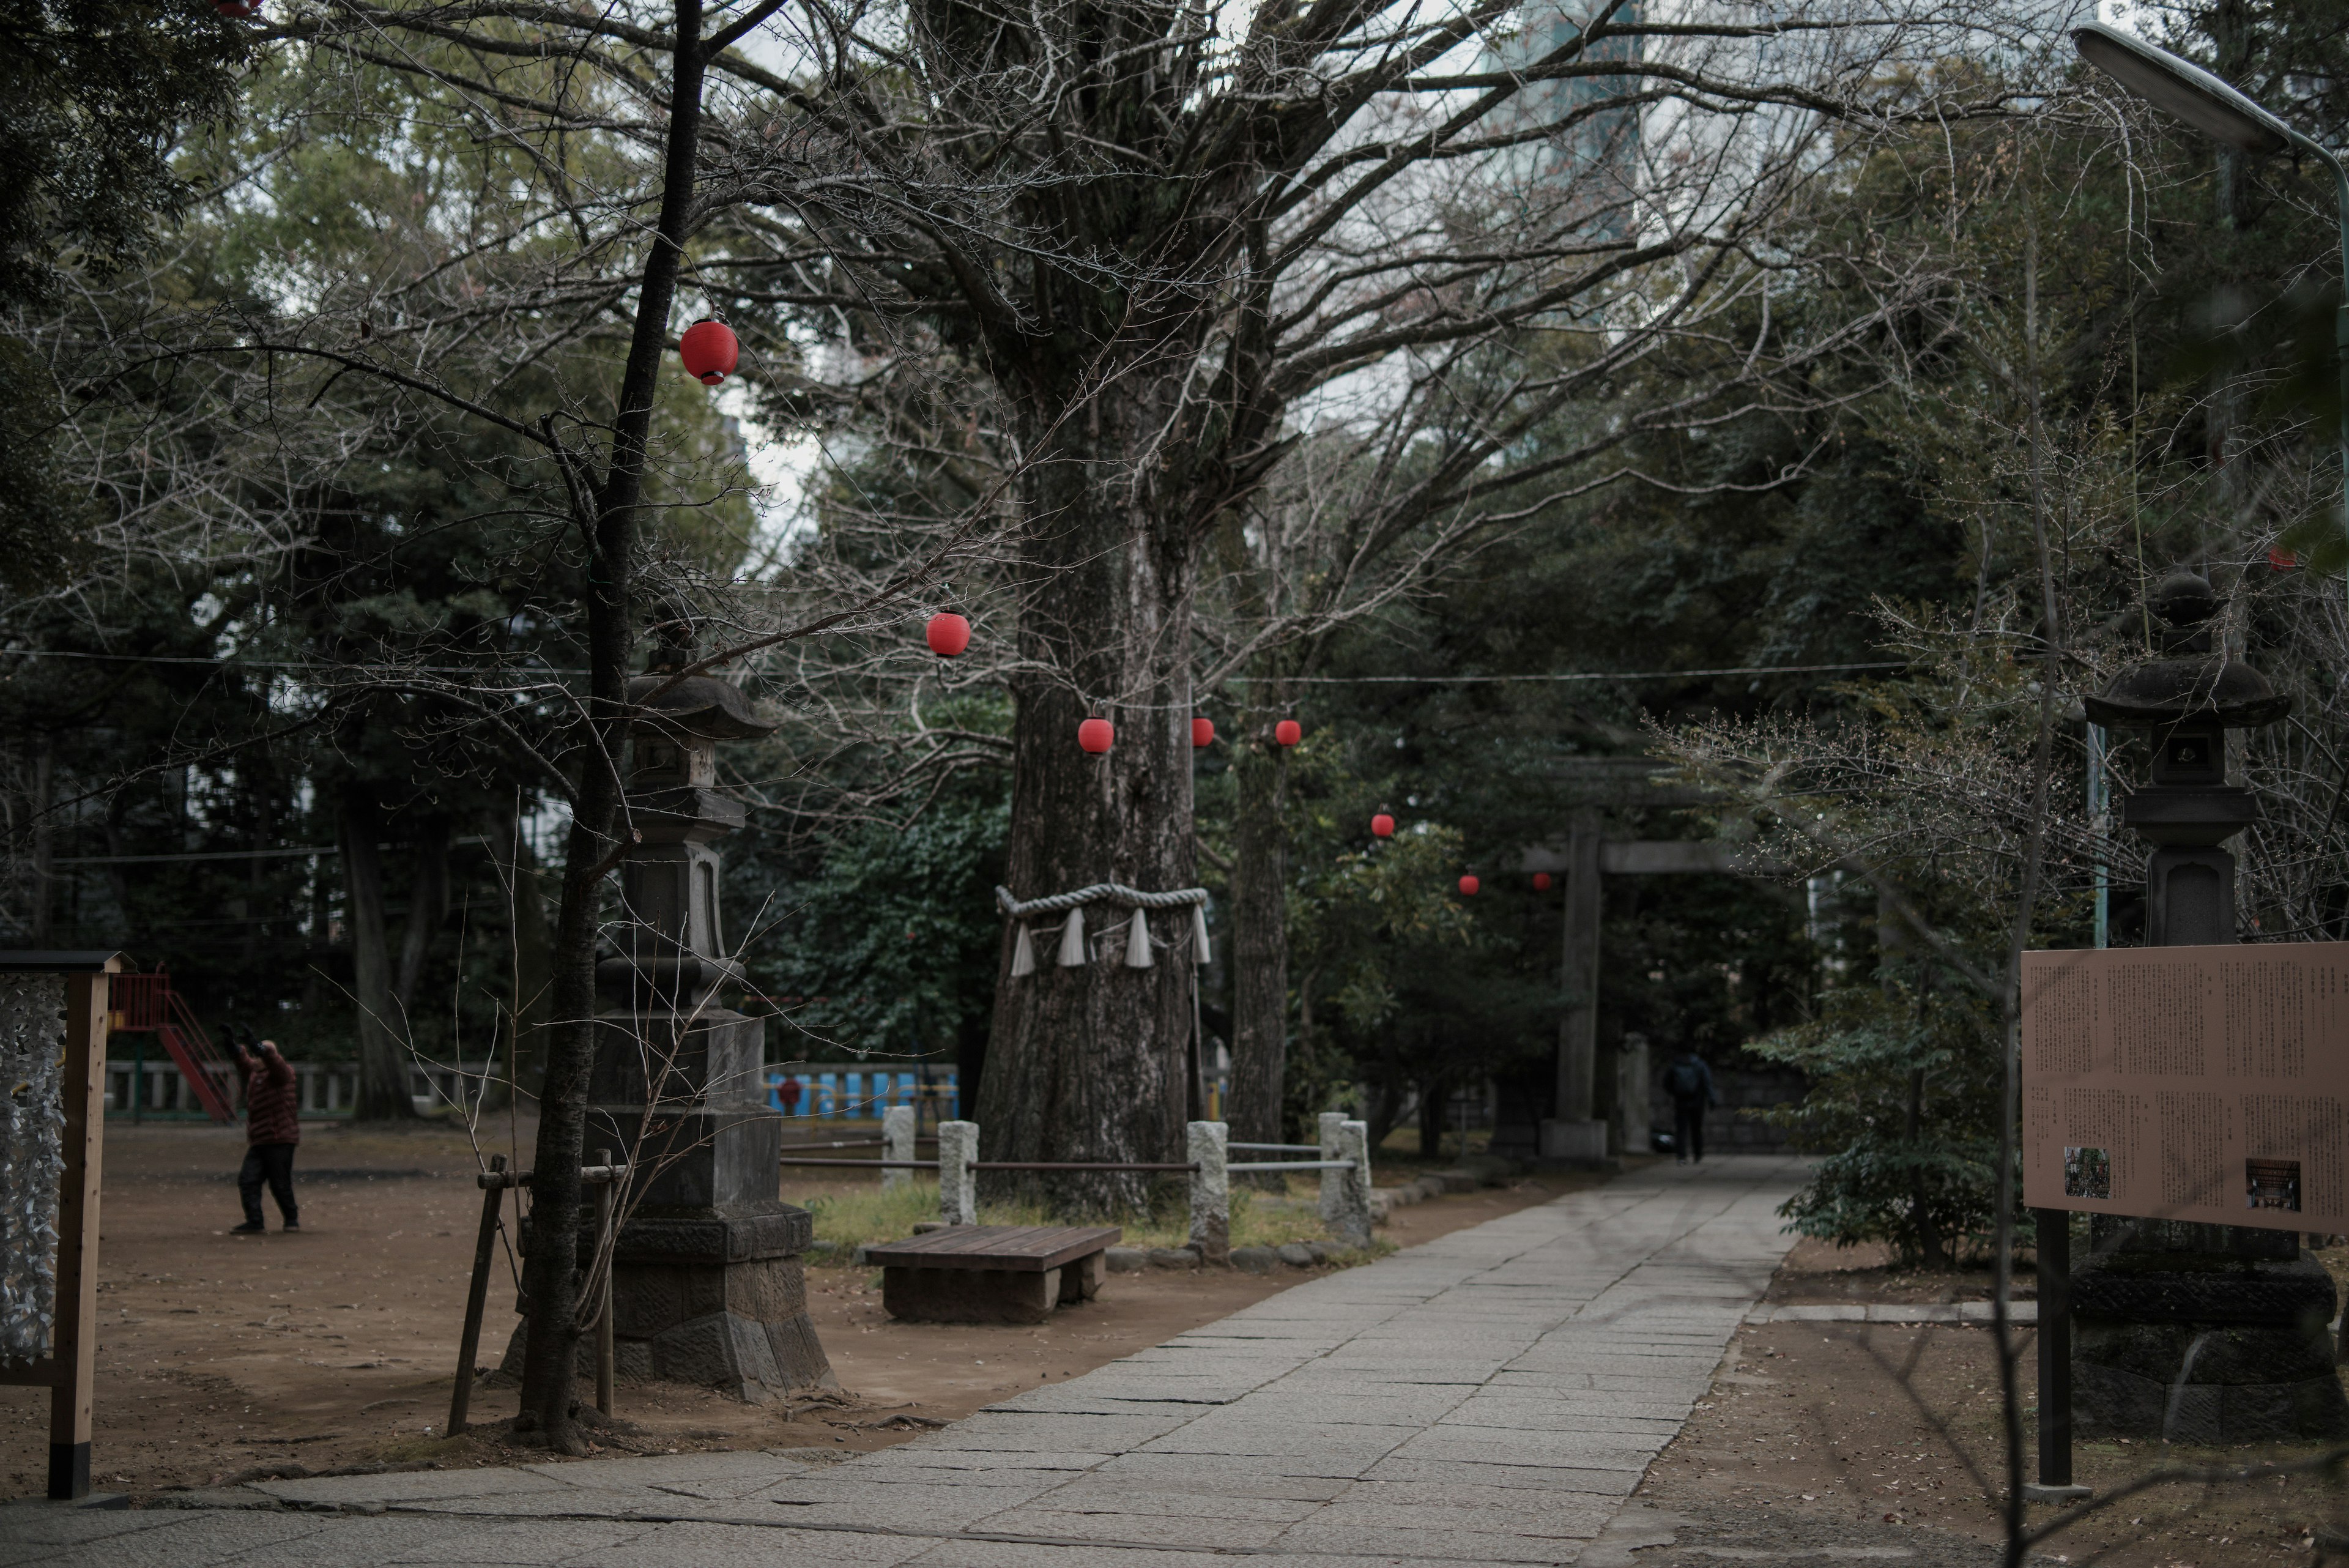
x=991, y=1274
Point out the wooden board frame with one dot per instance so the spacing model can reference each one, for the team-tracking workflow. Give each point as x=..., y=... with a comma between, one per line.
x=2200, y=1084
x=67, y=1370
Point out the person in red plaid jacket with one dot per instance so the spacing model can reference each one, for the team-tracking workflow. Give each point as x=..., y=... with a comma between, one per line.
x=271, y=1132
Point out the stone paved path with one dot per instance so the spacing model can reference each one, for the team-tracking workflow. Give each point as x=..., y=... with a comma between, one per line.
x=1490, y=1397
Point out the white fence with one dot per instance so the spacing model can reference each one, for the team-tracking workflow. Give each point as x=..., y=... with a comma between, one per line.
x=326, y=1088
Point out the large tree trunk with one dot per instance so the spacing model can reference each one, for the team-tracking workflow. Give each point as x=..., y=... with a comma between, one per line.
x=428, y=902
x=1091, y=1063
x=1434, y=1093
x=1259, y=925
x=383, y=1055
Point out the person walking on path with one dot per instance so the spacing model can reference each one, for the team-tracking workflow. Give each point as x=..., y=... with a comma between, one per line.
x=1690, y=1082
x=272, y=1128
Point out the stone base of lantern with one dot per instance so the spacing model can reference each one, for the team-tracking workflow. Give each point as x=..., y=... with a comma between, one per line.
x=706, y=1283
x=714, y=1302
x=717, y=1302
x=2206, y=1348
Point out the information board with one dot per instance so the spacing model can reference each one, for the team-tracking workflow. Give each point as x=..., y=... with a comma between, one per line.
x=2204, y=1083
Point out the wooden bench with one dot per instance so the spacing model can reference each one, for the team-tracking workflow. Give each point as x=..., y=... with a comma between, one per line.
x=991, y=1274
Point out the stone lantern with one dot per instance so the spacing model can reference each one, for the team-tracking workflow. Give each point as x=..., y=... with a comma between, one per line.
x=708, y=1286
x=2202, y=1334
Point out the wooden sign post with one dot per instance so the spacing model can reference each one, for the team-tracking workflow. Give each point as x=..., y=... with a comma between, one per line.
x=66, y=1370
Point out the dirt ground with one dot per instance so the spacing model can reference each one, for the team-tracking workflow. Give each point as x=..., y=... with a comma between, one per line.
x=1897, y=1424
x=333, y=1348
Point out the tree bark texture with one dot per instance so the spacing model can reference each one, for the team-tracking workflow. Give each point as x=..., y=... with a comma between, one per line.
x=428, y=902
x=1259, y=927
x=1091, y=1063
x=1433, y=1095
x=382, y=1048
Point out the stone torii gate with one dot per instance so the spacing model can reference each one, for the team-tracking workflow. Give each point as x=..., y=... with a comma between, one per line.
x=1576, y=1130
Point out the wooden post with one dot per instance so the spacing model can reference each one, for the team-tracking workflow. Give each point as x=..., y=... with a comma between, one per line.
x=603, y=1348
x=74, y=1340
x=2054, y=1356
x=469, y=1345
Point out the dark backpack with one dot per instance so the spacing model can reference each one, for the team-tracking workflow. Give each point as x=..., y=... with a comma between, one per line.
x=1684, y=1081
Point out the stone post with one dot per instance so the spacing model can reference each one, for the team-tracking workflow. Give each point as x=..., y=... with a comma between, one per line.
x=1346, y=1194
x=1631, y=1113
x=707, y=1282
x=1211, y=1190
x=1573, y=1131
x=896, y=1143
x=2188, y=1333
x=957, y=1183
x=1354, y=1142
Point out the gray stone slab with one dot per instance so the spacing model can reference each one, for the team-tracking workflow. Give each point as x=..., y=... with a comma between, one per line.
x=191, y=1539
x=42, y=1523
x=1124, y=1494
x=979, y=1457
x=1305, y=1480
x=1029, y=1554
x=406, y=1537
x=1452, y=1545
x=1555, y=1416
x=1204, y=1529
x=699, y=1545
x=653, y=1470
x=415, y=1486
x=1527, y=1512
x=1608, y=1481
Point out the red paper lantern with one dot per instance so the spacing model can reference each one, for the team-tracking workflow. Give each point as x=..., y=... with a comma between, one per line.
x=1468, y=885
x=1202, y=732
x=1288, y=731
x=711, y=351
x=1095, y=735
x=949, y=634
x=2281, y=559
x=1541, y=881
x=1383, y=825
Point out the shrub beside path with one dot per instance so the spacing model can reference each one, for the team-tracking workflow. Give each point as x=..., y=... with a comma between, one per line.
x=1491, y=1397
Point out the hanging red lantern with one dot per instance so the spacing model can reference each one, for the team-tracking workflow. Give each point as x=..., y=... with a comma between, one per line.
x=1095, y=735
x=1203, y=733
x=2281, y=559
x=1541, y=881
x=949, y=634
x=1468, y=885
x=1288, y=731
x=711, y=351
x=1383, y=825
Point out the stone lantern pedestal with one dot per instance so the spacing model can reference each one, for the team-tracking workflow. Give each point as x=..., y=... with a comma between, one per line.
x=2200, y=1333
x=707, y=1285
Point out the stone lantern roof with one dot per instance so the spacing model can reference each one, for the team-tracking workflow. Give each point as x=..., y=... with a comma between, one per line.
x=701, y=706
x=2191, y=684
